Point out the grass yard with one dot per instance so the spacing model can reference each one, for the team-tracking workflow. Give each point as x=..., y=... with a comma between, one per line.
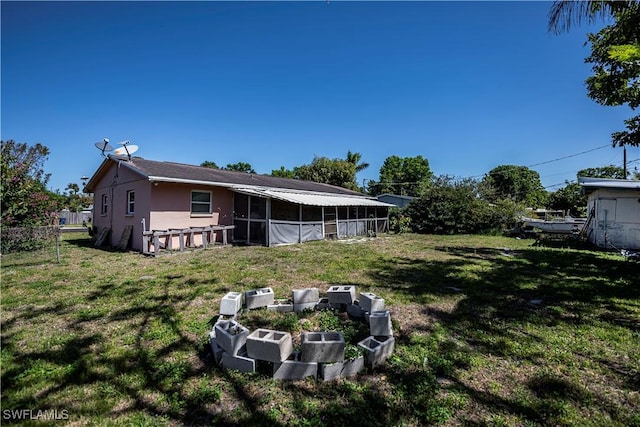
x=484, y=336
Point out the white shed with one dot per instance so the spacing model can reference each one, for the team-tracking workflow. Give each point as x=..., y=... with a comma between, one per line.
x=613, y=209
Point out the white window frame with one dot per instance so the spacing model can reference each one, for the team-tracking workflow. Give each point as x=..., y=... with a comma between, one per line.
x=104, y=207
x=131, y=202
x=209, y=204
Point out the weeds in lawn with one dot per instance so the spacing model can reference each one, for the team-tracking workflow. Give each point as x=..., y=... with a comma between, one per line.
x=544, y=336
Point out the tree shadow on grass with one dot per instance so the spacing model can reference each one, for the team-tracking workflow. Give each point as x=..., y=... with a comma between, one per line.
x=500, y=292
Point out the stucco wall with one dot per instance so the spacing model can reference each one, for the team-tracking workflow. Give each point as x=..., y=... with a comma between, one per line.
x=162, y=205
x=616, y=224
x=115, y=184
x=171, y=207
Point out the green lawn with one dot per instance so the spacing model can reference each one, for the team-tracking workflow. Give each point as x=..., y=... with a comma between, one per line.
x=484, y=335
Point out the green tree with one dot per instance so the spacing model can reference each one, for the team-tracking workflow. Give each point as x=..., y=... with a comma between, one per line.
x=209, y=164
x=569, y=199
x=356, y=158
x=283, y=173
x=329, y=171
x=450, y=206
x=564, y=14
x=25, y=199
x=74, y=200
x=240, y=167
x=402, y=175
x=615, y=55
x=609, y=171
x=518, y=183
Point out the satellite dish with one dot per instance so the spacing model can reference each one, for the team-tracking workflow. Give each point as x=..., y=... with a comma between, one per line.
x=104, y=145
x=126, y=150
x=124, y=142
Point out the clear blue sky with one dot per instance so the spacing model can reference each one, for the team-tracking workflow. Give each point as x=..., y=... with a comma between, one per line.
x=467, y=85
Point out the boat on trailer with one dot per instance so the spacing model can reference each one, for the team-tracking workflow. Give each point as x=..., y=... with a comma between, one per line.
x=554, y=222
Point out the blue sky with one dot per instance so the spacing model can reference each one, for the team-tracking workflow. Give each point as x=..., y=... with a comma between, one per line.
x=467, y=85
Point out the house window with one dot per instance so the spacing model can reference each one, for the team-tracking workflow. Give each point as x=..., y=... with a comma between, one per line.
x=200, y=202
x=103, y=206
x=131, y=202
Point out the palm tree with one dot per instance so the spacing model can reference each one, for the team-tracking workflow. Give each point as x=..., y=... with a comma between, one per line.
x=355, y=158
x=565, y=13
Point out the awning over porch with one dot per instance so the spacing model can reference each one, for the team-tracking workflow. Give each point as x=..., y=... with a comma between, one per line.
x=313, y=199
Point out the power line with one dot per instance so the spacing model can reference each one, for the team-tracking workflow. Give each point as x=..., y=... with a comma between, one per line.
x=569, y=156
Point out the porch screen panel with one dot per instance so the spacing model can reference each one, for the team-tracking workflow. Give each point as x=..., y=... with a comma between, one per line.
x=342, y=228
x=282, y=233
x=284, y=211
x=311, y=232
x=352, y=229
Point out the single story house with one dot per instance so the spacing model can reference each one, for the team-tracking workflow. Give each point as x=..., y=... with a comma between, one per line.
x=398, y=200
x=137, y=196
x=613, y=212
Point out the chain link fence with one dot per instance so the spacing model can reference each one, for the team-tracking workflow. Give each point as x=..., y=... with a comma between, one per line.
x=30, y=245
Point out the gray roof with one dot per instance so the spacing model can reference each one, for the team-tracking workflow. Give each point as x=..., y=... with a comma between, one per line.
x=619, y=184
x=183, y=173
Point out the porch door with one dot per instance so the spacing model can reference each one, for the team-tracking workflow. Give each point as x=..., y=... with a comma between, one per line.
x=330, y=223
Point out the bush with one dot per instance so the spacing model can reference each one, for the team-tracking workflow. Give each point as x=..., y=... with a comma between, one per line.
x=450, y=206
x=399, y=222
x=24, y=239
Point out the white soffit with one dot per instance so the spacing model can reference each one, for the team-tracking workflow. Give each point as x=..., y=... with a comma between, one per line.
x=314, y=199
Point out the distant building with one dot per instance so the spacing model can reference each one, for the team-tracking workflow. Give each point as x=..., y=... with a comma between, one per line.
x=395, y=199
x=613, y=212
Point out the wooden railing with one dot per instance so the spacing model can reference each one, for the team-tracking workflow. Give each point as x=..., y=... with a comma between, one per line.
x=154, y=241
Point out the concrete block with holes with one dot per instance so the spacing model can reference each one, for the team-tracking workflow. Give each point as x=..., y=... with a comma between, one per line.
x=330, y=371
x=301, y=296
x=281, y=306
x=231, y=336
x=239, y=362
x=341, y=294
x=322, y=347
x=269, y=345
x=371, y=302
x=294, y=369
x=380, y=323
x=352, y=367
x=258, y=298
x=377, y=349
x=355, y=310
x=231, y=303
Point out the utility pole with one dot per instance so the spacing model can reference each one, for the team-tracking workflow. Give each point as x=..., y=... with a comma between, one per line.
x=624, y=161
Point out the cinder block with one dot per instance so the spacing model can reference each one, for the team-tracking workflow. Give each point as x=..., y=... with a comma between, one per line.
x=240, y=362
x=322, y=347
x=323, y=304
x=341, y=294
x=377, y=349
x=293, y=369
x=231, y=336
x=354, y=310
x=281, y=306
x=380, y=323
x=231, y=304
x=304, y=306
x=352, y=367
x=272, y=346
x=258, y=298
x=215, y=348
x=301, y=296
x=330, y=371
x=371, y=302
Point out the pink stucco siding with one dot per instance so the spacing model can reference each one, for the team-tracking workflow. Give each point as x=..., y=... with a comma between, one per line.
x=161, y=205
